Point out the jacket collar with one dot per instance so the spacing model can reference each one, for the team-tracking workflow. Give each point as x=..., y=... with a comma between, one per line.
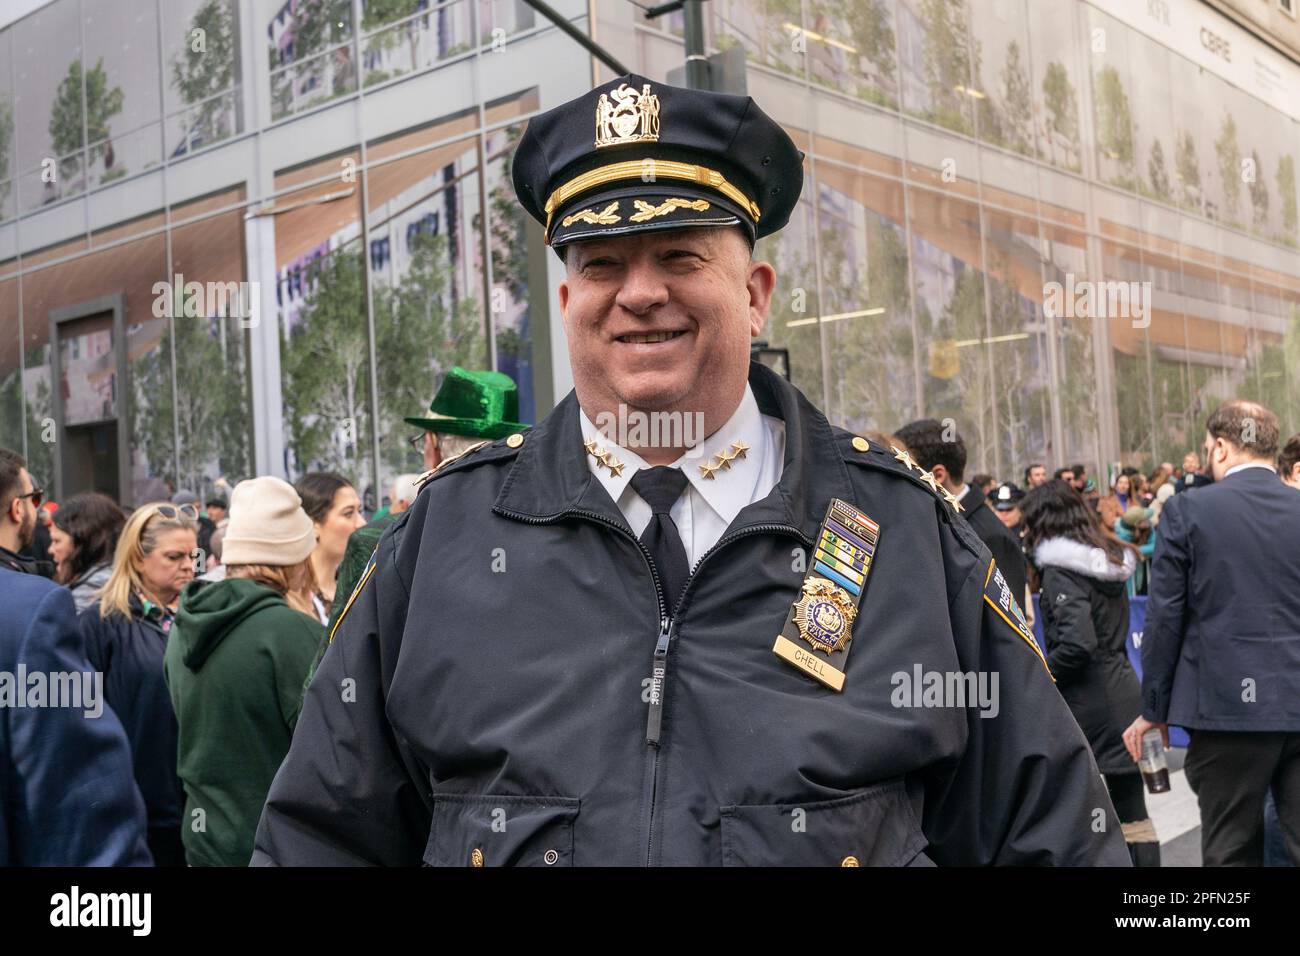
x=550, y=477
x=972, y=500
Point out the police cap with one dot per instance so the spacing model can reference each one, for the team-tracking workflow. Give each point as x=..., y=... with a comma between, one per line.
x=635, y=155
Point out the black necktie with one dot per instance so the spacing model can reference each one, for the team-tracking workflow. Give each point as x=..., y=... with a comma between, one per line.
x=659, y=487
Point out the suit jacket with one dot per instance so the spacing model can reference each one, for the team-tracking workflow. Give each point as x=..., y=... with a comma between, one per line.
x=1221, y=648
x=67, y=795
x=1004, y=545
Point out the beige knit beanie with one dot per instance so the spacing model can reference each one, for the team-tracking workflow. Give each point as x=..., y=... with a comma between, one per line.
x=267, y=524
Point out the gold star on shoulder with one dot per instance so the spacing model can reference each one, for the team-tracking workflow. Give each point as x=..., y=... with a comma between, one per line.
x=930, y=480
x=905, y=457
x=604, y=457
x=724, y=458
x=952, y=499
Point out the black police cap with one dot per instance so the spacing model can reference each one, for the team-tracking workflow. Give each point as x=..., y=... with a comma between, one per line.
x=635, y=155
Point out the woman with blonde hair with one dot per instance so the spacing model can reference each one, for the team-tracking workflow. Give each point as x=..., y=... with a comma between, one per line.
x=126, y=633
x=235, y=666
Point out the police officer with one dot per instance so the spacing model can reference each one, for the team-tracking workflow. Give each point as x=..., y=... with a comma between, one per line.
x=683, y=620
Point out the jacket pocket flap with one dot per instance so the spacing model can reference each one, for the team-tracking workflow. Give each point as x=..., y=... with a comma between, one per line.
x=500, y=830
x=871, y=827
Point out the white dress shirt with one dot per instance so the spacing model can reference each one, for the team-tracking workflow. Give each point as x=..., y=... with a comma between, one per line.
x=1250, y=464
x=708, y=505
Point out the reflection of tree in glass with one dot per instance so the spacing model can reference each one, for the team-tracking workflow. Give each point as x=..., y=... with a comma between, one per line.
x=1286, y=190
x=1189, y=171
x=871, y=358
x=1258, y=194
x=324, y=360
x=870, y=24
x=66, y=116
x=1229, y=154
x=1274, y=376
x=11, y=417
x=1018, y=110
x=317, y=25
x=200, y=75
x=40, y=408
x=794, y=299
x=417, y=338
x=1062, y=112
x=946, y=59
x=1157, y=173
x=1020, y=393
x=966, y=396
x=1115, y=126
x=211, y=411
x=6, y=137
x=377, y=13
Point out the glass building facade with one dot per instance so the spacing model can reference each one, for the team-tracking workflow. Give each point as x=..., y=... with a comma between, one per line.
x=245, y=236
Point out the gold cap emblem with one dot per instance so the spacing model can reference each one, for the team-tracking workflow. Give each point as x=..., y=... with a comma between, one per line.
x=626, y=116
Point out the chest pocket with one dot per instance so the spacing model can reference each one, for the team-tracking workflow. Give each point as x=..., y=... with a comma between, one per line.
x=872, y=827
x=487, y=830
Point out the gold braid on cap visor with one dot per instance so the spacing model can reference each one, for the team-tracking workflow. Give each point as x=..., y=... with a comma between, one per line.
x=638, y=169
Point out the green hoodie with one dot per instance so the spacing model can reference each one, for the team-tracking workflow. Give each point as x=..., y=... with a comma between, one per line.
x=235, y=663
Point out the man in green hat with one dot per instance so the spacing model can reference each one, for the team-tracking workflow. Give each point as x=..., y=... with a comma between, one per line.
x=470, y=408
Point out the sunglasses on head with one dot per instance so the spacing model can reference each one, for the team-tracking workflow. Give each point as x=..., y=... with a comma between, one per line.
x=174, y=511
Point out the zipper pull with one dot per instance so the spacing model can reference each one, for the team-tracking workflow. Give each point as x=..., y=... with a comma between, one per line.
x=658, y=676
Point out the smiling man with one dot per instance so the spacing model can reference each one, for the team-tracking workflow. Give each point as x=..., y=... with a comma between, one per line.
x=601, y=642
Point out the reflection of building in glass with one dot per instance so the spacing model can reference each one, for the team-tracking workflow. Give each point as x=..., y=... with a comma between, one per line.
x=353, y=166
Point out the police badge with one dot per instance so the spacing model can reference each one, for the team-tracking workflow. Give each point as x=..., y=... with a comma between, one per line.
x=632, y=117
x=831, y=593
x=824, y=615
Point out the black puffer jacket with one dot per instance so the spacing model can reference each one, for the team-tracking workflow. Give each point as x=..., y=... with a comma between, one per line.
x=1085, y=620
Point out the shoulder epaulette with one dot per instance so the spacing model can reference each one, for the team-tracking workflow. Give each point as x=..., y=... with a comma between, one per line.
x=504, y=445
x=900, y=461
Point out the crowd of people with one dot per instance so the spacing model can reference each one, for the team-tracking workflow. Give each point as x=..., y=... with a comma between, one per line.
x=207, y=621
x=1083, y=554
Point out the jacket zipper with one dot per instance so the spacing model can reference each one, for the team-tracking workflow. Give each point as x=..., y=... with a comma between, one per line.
x=659, y=667
x=667, y=628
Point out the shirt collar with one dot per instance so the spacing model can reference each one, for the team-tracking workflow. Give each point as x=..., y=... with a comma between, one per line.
x=1250, y=464
x=730, y=488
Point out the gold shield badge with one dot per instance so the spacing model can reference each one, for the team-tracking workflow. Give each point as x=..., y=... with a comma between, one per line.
x=824, y=615
x=626, y=116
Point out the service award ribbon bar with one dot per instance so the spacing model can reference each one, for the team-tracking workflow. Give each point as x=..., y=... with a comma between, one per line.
x=829, y=598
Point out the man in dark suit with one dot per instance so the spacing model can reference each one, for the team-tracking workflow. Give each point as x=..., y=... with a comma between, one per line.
x=940, y=450
x=67, y=791
x=1221, y=649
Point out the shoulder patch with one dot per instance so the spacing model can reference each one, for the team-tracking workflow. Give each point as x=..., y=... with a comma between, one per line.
x=998, y=596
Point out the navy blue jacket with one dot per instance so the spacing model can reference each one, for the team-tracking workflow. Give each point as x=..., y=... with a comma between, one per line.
x=1221, y=646
x=470, y=712
x=129, y=650
x=67, y=795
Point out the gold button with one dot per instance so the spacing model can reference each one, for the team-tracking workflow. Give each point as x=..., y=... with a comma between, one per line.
x=476, y=858
x=861, y=444
x=847, y=861
x=515, y=440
